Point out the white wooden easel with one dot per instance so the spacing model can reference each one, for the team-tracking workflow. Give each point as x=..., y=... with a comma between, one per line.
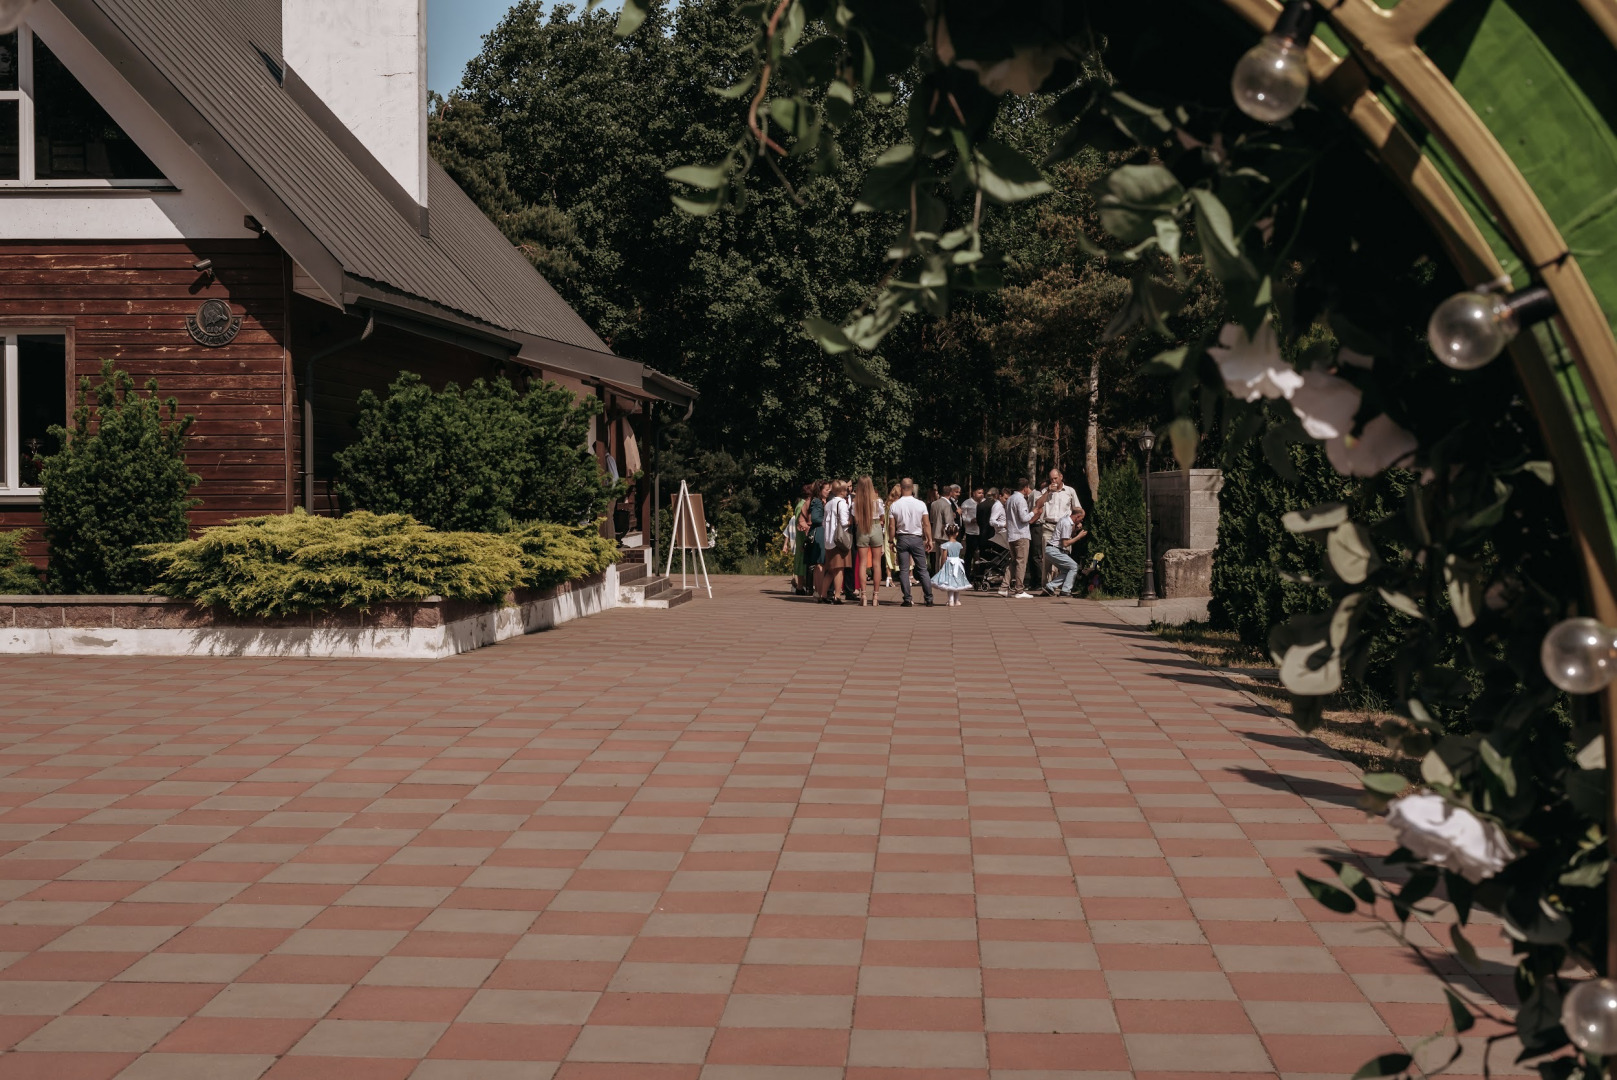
x=688, y=533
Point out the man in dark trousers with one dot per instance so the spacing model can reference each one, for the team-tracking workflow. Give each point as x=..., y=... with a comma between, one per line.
x=943, y=514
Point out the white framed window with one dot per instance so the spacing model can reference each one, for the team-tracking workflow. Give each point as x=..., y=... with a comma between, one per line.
x=33, y=397
x=53, y=133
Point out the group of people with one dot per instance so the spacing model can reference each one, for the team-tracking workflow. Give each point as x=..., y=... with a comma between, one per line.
x=846, y=540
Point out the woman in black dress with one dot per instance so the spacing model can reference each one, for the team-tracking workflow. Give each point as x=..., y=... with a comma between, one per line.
x=814, y=518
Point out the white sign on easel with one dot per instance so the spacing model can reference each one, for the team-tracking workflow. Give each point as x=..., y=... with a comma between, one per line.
x=690, y=533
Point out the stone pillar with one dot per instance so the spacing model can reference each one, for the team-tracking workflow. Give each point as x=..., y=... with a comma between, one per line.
x=1184, y=512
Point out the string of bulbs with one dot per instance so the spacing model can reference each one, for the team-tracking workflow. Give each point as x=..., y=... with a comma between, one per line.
x=1468, y=329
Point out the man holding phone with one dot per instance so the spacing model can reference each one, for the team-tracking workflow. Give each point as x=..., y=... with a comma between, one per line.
x=1055, y=504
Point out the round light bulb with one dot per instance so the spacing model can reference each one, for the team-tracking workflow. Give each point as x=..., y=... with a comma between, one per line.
x=11, y=13
x=1271, y=80
x=1579, y=656
x=1589, y=1015
x=1469, y=329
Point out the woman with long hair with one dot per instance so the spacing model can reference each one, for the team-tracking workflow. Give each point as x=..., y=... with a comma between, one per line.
x=802, y=584
x=838, y=559
x=870, y=539
x=812, y=522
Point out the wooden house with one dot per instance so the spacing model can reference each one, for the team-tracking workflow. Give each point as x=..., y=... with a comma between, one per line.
x=237, y=199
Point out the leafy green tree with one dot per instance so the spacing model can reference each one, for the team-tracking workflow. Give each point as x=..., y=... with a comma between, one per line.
x=117, y=481
x=1118, y=528
x=479, y=459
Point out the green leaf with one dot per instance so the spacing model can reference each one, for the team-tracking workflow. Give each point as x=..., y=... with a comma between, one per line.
x=1587, y=876
x=1145, y=187
x=1168, y=237
x=1183, y=435
x=1166, y=362
x=1005, y=175
x=1400, y=602
x=707, y=177
x=1219, y=243
x=1352, y=554
x=1593, y=755
x=708, y=202
x=1317, y=518
x=629, y=19
x=1462, y=589
x=1544, y=470
x=1329, y=895
x=1463, y=947
x=1384, y=783
x=1499, y=766
x=1435, y=771
x=738, y=90
x=855, y=367
x=828, y=334
x=1385, y=1065
x=838, y=103
x=1354, y=879
x=1463, y=1020
x=793, y=28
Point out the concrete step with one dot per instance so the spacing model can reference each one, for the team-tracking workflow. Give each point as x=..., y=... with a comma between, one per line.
x=649, y=592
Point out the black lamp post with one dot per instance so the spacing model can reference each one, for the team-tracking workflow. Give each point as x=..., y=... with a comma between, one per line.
x=1147, y=440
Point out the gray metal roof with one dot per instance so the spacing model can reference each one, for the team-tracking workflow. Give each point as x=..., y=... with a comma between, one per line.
x=313, y=186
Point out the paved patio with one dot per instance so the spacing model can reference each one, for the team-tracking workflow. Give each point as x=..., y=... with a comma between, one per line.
x=747, y=839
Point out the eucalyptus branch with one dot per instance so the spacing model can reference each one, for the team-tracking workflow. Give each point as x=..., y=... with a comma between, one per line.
x=764, y=141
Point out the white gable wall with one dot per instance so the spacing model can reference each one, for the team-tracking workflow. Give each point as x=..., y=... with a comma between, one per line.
x=201, y=208
x=367, y=60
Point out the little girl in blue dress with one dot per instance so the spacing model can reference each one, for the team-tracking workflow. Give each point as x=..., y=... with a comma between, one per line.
x=952, y=577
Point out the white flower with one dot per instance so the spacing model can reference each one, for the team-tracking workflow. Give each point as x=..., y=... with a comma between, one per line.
x=1251, y=366
x=1381, y=445
x=1450, y=836
x=1326, y=404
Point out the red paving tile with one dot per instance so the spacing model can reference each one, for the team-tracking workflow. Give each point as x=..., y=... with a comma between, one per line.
x=816, y=852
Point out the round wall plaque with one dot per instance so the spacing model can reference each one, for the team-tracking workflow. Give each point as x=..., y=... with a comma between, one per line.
x=213, y=324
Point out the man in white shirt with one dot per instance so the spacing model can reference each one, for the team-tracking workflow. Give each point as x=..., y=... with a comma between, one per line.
x=1065, y=533
x=996, y=519
x=912, y=533
x=1019, y=531
x=1055, y=505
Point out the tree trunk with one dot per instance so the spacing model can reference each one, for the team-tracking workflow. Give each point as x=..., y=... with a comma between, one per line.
x=1033, y=451
x=1092, y=433
x=1055, y=459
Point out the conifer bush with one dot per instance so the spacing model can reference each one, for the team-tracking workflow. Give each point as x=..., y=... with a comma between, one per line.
x=287, y=564
x=1118, y=529
x=118, y=481
x=18, y=577
x=482, y=458
x=553, y=553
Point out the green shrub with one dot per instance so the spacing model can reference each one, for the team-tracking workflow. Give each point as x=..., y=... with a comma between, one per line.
x=117, y=482
x=1118, y=529
x=286, y=564
x=553, y=553
x=477, y=459
x=18, y=577
x=1254, y=549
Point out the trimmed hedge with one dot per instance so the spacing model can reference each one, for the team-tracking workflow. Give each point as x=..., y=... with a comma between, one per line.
x=18, y=577
x=552, y=553
x=482, y=458
x=287, y=564
x=1118, y=528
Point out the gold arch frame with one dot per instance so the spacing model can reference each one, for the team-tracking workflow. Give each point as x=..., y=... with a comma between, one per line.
x=1382, y=46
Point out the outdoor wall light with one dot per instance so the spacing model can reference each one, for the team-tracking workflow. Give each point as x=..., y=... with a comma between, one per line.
x=1579, y=656
x=1589, y=1015
x=1146, y=441
x=11, y=13
x=1471, y=328
x=1271, y=80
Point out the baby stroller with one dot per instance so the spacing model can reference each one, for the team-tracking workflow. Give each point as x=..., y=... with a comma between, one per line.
x=992, y=567
x=1089, y=577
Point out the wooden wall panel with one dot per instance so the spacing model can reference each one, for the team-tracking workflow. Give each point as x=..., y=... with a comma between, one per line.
x=128, y=303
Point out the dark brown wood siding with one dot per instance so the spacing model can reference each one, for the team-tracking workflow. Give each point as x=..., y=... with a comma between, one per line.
x=128, y=302
x=341, y=377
